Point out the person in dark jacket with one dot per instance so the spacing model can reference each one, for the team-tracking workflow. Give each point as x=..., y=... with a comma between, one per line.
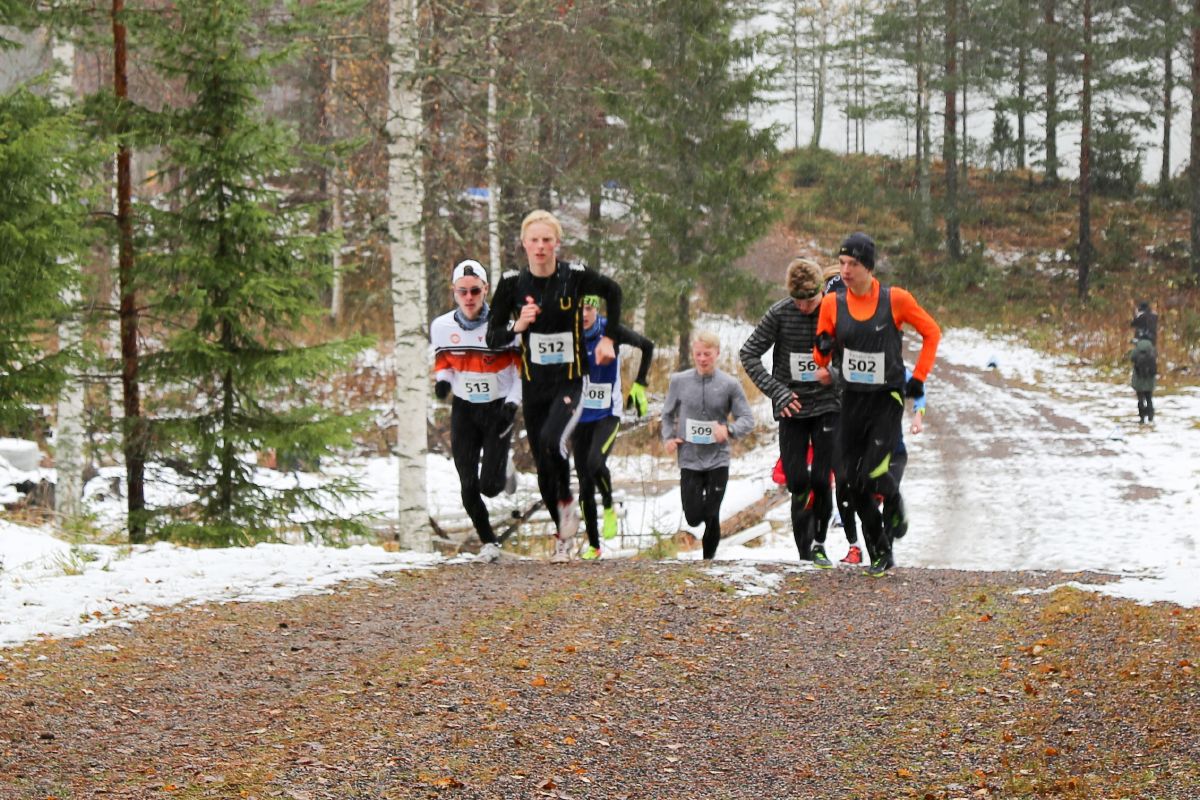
x=1145, y=323
x=804, y=403
x=542, y=305
x=1145, y=369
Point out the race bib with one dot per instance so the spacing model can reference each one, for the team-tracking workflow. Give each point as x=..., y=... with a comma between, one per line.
x=804, y=369
x=700, y=431
x=477, y=387
x=551, y=348
x=597, y=395
x=863, y=368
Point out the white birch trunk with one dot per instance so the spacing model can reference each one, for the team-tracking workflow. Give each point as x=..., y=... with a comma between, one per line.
x=69, y=429
x=408, y=275
x=495, y=256
x=336, y=299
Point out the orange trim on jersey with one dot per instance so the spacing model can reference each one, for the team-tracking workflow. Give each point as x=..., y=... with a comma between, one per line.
x=905, y=309
x=475, y=360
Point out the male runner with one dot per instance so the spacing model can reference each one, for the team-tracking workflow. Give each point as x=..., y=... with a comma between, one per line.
x=542, y=305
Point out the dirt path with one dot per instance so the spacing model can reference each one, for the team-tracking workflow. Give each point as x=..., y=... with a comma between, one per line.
x=619, y=679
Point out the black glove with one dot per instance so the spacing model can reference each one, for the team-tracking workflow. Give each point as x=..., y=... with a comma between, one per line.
x=824, y=344
x=914, y=388
x=442, y=389
x=508, y=414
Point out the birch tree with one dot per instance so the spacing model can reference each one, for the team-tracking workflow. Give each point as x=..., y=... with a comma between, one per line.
x=68, y=433
x=405, y=199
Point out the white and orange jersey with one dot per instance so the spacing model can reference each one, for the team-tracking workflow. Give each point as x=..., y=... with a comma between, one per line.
x=476, y=373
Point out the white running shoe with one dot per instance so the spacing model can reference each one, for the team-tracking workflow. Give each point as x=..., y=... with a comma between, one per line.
x=489, y=553
x=562, y=551
x=568, y=520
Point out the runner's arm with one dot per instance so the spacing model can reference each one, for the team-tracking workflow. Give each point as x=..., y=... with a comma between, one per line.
x=905, y=309
x=623, y=335
x=500, y=316
x=595, y=283
x=670, y=424
x=763, y=338
x=826, y=329
x=743, y=415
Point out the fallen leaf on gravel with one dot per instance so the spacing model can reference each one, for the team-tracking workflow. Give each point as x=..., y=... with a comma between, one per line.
x=903, y=773
x=521, y=663
x=1051, y=751
x=448, y=782
x=538, y=681
x=548, y=784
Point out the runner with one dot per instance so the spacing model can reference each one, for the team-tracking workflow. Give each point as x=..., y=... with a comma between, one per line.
x=863, y=325
x=541, y=304
x=486, y=391
x=694, y=427
x=597, y=428
x=844, y=507
x=804, y=401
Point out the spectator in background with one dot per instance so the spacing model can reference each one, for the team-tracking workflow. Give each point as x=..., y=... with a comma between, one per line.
x=1145, y=369
x=1145, y=323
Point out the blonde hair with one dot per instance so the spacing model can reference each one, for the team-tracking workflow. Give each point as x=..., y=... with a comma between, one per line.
x=707, y=338
x=541, y=215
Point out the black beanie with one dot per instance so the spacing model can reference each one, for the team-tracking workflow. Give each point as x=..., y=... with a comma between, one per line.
x=861, y=247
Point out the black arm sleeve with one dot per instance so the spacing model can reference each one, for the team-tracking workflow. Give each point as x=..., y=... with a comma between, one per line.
x=595, y=283
x=501, y=313
x=622, y=335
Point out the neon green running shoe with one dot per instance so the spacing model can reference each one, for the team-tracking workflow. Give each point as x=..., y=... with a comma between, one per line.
x=590, y=553
x=610, y=524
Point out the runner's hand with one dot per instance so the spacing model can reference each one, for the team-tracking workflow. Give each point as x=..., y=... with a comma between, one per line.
x=914, y=388
x=636, y=400
x=441, y=389
x=791, y=406
x=605, y=352
x=529, y=313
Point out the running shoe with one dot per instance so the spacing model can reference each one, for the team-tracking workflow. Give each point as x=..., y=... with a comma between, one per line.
x=590, y=553
x=853, y=555
x=610, y=524
x=879, y=567
x=819, y=559
x=562, y=551
x=568, y=520
x=488, y=553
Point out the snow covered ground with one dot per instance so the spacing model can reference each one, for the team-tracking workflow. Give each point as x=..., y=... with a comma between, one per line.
x=1034, y=464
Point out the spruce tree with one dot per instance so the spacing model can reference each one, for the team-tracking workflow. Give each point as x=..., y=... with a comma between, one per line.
x=42, y=231
x=698, y=173
x=233, y=275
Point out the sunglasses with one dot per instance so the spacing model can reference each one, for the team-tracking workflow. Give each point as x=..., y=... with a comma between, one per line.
x=474, y=291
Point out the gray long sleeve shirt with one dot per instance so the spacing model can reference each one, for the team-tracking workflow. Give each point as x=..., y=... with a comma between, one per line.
x=694, y=400
x=790, y=333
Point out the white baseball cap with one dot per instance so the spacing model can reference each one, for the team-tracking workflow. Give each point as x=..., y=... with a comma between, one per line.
x=469, y=269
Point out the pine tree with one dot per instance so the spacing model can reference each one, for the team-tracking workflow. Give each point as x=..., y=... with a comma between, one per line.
x=698, y=173
x=244, y=277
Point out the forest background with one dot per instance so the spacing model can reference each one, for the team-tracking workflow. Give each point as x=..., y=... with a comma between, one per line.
x=209, y=209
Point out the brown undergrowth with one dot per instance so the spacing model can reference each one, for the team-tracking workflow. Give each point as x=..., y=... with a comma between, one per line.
x=619, y=679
